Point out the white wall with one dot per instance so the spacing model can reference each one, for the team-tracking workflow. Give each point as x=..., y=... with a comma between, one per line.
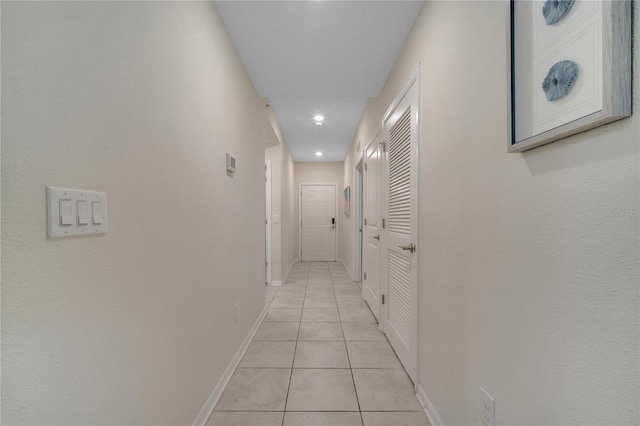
x=289, y=213
x=527, y=287
x=141, y=100
x=282, y=247
x=330, y=172
x=354, y=155
x=282, y=256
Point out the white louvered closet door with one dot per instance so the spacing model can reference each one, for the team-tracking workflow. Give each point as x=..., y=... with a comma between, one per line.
x=400, y=269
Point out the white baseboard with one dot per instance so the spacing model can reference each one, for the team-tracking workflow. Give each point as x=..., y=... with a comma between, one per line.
x=428, y=407
x=210, y=404
x=276, y=284
x=284, y=279
x=348, y=270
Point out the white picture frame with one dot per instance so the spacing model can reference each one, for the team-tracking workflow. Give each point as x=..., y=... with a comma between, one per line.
x=594, y=36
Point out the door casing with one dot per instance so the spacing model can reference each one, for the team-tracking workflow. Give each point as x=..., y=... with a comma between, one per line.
x=267, y=190
x=412, y=83
x=372, y=247
x=357, y=220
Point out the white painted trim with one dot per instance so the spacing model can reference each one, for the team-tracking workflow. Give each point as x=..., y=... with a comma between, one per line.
x=300, y=214
x=348, y=271
x=284, y=278
x=413, y=77
x=358, y=204
x=268, y=201
x=276, y=284
x=428, y=407
x=216, y=393
x=413, y=370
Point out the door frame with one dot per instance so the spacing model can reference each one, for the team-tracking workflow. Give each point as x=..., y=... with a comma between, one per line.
x=357, y=218
x=414, y=78
x=378, y=136
x=300, y=216
x=268, y=194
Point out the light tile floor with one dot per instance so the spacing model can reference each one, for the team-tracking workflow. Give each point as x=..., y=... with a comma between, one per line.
x=318, y=359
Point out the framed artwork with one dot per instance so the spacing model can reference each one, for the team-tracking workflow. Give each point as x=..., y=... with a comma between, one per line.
x=570, y=68
x=347, y=201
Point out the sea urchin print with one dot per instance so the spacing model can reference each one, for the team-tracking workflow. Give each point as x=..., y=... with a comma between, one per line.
x=555, y=10
x=559, y=80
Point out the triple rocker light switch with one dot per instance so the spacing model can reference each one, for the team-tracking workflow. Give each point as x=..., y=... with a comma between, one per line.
x=75, y=212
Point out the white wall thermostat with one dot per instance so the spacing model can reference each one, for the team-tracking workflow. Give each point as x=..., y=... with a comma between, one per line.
x=231, y=163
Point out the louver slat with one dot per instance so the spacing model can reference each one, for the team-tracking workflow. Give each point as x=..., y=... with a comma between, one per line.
x=400, y=175
x=399, y=291
x=399, y=278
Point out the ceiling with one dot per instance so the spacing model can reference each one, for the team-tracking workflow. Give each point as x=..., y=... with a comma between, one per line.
x=318, y=58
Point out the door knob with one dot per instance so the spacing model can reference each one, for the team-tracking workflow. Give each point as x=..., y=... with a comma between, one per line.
x=376, y=237
x=411, y=247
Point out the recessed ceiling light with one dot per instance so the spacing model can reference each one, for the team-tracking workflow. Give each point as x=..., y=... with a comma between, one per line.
x=319, y=123
x=318, y=154
x=319, y=118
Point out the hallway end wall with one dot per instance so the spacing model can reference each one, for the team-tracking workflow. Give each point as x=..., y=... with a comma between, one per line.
x=528, y=284
x=330, y=172
x=141, y=100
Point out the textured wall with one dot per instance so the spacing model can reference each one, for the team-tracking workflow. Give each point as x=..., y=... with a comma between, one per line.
x=141, y=100
x=527, y=286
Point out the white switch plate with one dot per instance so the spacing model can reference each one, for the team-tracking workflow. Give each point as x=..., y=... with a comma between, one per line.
x=54, y=223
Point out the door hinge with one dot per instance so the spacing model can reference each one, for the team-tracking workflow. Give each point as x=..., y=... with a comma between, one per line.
x=383, y=299
x=365, y=167
x=384, y=146
x=365, y=275
x=365, y=222
x=383, y=223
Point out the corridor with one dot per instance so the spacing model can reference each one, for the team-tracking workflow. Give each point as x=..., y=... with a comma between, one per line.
x=319, y=359
x=164, y=164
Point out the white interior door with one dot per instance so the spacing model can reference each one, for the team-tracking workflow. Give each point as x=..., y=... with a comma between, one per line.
x=400, y=269
x=318, y=223
x=372, y=226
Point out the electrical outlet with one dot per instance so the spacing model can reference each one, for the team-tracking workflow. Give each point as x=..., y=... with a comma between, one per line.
x=488, y=409
x=237, y=311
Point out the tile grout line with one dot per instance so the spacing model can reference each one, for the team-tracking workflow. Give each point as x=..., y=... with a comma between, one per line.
x=355, y=390
x=295, y=349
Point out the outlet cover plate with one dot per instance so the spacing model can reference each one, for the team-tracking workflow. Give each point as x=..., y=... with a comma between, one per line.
x=488, y=409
